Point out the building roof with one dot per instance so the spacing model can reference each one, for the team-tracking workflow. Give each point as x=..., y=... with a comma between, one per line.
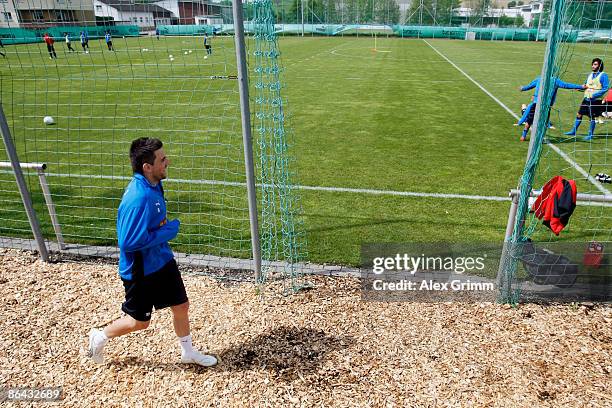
x=127, y=5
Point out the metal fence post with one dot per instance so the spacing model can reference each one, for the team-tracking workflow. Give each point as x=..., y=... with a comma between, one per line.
x=21, y=184
x=245, y=113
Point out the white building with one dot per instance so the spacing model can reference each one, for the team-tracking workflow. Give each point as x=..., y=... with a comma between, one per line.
x=9, y=17
x=208, y=20
x=126, y=11
x=529, y=11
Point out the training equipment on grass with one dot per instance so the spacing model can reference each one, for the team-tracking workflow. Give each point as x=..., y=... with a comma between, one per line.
x=603, y=178
x=553, y=154
x=103, y=101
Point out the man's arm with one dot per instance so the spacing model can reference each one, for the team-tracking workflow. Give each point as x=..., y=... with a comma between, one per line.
x=531, y=85
x=568, y=85
x=133, y=233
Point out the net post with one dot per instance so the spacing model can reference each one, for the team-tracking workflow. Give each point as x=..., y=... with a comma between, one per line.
x=23, y=188
x=503, y=284
x=245, y=113
x=51, y=207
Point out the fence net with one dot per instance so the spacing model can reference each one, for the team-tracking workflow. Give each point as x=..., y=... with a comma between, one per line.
x=77, y=89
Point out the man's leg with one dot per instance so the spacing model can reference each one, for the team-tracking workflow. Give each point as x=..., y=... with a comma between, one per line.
x=576, y=126
x=591, y=129
x=124, y=325
x=525, y=110
x=180, y=314
x=181, y=328
x=525, y=131
x=99, y=338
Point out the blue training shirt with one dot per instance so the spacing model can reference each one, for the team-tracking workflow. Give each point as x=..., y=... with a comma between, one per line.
x=142, y=227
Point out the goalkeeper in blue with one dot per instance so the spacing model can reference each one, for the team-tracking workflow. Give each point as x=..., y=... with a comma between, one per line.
x=529, y=110
x=597, y=85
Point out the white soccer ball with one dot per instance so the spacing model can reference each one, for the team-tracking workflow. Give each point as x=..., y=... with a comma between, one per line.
x=186, y=52
x=171, y=59
x=190, y=51
x=206, y=56
x=48, y=120
x=170, y=56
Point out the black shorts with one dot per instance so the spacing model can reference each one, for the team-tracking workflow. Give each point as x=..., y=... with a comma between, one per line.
x=161, y=289
x=531, y=114
x=592, y=109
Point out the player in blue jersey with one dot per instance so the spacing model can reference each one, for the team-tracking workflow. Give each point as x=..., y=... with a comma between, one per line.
x=147, y=267
x=597, y=84
x=84, y=41
x=109, y=41
x=529, y=111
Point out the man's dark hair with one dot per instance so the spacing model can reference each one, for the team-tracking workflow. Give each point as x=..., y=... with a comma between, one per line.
x=143, y=151
x=601, y=67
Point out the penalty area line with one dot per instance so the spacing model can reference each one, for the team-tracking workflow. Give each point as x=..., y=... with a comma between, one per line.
x=552, y=146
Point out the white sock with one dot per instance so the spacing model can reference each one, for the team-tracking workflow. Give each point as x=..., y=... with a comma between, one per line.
x=100, y=339
x=186, y=346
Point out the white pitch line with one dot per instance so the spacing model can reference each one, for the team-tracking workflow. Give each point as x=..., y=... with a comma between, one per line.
x=471, y=79
x=552, y=146
x=299, y=187
x=309, y=188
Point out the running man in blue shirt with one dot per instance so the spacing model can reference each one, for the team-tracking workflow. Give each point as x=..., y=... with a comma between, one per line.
x=109, y=41
x=147, y=267
x=84, y=41
x=529, y=112
x=597, y=85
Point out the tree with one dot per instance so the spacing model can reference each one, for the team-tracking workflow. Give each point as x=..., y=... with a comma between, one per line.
x=314, y=12
x=511, y=4
x=431, y=12
x=479, y=12
x=505, y=21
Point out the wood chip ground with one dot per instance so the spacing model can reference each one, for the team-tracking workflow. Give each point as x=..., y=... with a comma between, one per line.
x=323, y=347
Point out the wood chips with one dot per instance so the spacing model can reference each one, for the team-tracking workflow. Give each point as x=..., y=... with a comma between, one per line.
x=322, y=347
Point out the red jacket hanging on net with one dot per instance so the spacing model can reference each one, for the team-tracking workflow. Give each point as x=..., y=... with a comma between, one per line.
x=556, y=203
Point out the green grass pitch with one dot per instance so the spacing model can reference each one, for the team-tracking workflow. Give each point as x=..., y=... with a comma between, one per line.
x=400, y=118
